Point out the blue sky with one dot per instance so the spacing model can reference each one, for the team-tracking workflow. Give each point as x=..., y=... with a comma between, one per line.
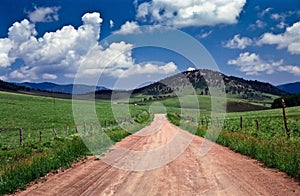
x=96, y=40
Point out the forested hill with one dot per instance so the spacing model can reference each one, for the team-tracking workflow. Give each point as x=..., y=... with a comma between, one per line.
x=200, y=78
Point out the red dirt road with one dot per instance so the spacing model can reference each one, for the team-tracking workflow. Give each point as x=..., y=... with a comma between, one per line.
x=162, y=159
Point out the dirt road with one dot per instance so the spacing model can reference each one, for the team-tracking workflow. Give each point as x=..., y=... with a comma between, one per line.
x=162, y=159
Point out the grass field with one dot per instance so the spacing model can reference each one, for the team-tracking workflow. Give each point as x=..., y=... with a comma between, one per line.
x=270, y=122
x=20, y=165
x=33, y=113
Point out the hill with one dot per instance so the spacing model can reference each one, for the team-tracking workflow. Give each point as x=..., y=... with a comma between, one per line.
x=14, y=88
x=62, y=88
x=293, y=88
x=238, y=88
x=234, y=86
x=10, y=87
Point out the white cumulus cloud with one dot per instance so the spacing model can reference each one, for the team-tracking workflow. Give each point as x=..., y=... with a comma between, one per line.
x=49, y=76
x=183, y=13
x=44, y=14
x=290, y=39
x=252, y=64
x=62, y=52
x=128, y=28
x=293, y=69
x=21, y=32
x=24, y=73
x=116, y=61
x=191, y=69
x=148, y=68
x=238, y=42
x=5, y=46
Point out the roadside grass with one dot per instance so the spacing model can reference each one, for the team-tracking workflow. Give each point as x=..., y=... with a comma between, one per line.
x=269, y=144
x=23, y=165
x=278, y=152
x=20, y=165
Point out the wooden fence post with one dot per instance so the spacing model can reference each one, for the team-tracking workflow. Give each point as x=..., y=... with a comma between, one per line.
x=91, y=127
x=76, y=128
x=241, y=123
x=41, y=136
x=84, y=126
x=54, y=131
x=288, y=133
x=21, y=136
x=218, y=123
x=257, y=125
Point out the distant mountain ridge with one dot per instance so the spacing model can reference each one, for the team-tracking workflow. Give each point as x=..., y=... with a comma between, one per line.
x=10, y=87
x=293, y=88
x=237, y=87
x=14, y=88
x=62, y=88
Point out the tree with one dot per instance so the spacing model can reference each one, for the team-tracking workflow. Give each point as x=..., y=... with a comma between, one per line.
x=206, y=91
x=290, y=101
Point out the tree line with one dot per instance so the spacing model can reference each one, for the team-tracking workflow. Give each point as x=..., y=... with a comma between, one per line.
x=290, y=101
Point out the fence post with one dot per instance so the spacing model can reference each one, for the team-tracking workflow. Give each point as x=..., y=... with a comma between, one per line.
x=41, y=136
x=76, y=128
x=218, y=123
x=54, y=131
x=241, y=122
x=84, y=126
x=91, y=127
x=21, y=136
x=257, y=125
x=288, y=133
